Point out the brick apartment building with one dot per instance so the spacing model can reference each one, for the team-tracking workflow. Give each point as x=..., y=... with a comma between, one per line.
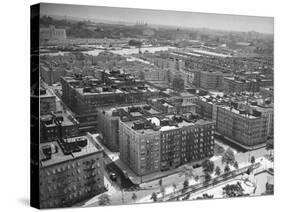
x=71, y=170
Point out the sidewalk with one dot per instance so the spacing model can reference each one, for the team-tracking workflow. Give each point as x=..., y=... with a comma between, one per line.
x=240, y=157
x=247, y=148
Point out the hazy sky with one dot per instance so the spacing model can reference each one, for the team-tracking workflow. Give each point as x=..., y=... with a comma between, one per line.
x=162, y=17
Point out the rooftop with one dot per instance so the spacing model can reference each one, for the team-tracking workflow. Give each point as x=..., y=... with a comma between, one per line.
x=49, y=119
x=55, y=152
x=45, y=93
x=165, y=123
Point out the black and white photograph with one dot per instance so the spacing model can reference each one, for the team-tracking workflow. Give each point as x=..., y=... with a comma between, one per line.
x=137, y=106
x=144, y=106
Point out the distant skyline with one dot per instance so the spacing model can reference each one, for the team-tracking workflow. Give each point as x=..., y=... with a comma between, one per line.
x=163, y=17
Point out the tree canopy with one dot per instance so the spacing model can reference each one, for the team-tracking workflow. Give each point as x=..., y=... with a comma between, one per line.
x=218, y=171
x=208, y=166
x=228, y=157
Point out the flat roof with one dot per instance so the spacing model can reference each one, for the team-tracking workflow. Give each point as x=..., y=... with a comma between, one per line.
x=48, y=94
x=59, y=156
x=180, y=125
x=233, y=110
x=66, y=120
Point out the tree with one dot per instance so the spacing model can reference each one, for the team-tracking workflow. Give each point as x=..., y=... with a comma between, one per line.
x=104, y=199
x=208, y=166
x=226, y=169
x=196, y=178
x=218, y=171
x=269, y=146
x=236, y=165
x=208, y=177
x=253, y=159
x=233, y=190
x=185, y=185
x=160, y=182
x=134, y=197
x=162, y=191
x=228, y=157
x=154, y=197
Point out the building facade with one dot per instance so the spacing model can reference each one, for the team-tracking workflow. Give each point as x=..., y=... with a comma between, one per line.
x=56, y=125
x=246, y=129
x=84, y=95
x=47, y=101
x=70, y=171
x=158, y=144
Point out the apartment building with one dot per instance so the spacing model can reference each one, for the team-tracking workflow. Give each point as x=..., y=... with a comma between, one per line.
x=56, y=125
x=238, y=124
x=84, y=95
x=71, y=170
x=164, y=142
x=47, y=101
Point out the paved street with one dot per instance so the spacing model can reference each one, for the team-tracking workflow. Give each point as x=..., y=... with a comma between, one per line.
x=146, y=189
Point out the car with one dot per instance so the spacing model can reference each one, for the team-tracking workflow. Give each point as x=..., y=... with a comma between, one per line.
x=113, y=176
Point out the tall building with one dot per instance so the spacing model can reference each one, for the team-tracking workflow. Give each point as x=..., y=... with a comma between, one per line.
x=108, y=121
x=71, y=170
x=163, y=142
x=139, y=149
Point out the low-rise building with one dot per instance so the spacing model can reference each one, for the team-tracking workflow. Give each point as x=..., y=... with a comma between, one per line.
x=267, y=92
x=56, y=125
x=240, y=84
